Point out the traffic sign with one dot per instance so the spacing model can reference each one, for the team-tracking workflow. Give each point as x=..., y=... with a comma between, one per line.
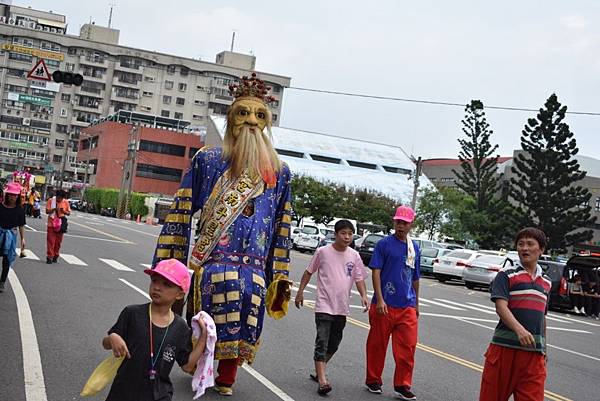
x=40, y=71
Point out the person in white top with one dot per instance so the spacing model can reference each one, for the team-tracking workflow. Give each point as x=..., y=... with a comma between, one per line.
x=338, y=268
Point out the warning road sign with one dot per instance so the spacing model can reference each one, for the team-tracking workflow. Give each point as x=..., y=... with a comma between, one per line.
x=40, y=71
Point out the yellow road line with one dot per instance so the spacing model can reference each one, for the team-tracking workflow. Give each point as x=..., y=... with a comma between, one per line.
x=102, y=232
x=468, y=364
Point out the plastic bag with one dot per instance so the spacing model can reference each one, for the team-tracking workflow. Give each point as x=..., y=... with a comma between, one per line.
x=104, y=374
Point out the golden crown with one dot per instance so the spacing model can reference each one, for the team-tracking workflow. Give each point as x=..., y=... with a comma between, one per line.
x=251, y=87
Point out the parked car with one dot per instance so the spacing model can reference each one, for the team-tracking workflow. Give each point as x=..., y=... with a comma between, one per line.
x=452, y=264
x=75, y=204
x=482, y=271
x=294, y=235
x=310, y=237
x=429, y=257
x=452, y=246
x=426, y=243
x=368, y=246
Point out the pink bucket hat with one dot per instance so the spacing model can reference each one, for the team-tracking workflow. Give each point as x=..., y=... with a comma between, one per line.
x=405, y=213
x=13, y=188
x=174, y=271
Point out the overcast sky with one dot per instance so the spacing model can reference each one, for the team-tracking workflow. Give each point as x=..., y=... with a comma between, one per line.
x=510, y=53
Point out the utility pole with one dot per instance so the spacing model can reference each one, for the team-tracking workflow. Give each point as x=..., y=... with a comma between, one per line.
x=419, y=165
x=128, y=171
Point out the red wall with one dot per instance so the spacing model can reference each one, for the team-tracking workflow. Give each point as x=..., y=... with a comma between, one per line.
x=111, y=153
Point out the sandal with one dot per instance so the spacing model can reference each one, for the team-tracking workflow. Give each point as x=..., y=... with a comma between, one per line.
x=324, y=389
x=314, y=377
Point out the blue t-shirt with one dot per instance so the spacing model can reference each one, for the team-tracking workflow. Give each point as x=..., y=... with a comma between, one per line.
x=397, y=277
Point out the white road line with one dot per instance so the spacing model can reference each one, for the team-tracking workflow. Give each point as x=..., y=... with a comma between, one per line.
x=267, y=383
x=146, y=265
x=116, y=265
x=31, y=228
x=547, y=316
x=35, y=388
x=28, y=254
x=569, y=330
x=466, y=306
x=576, y=320
x=134, y=287
x=476, y=324
x=574, y=352
x=439, y=304
x=72, y=259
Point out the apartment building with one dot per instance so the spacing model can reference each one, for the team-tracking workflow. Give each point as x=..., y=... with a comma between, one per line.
x=40, y=122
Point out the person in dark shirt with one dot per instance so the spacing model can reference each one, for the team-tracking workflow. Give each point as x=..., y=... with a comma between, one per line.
x=12, y=216
x=592, y=300
x=151, y=338
x=515, y=361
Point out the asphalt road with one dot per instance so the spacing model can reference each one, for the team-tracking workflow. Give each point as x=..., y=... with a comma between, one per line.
x=74, y=302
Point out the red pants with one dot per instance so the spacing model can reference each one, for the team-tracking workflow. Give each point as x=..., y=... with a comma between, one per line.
x=401, y=324
x=510, y=371
x=227, y=371
x=53, y=242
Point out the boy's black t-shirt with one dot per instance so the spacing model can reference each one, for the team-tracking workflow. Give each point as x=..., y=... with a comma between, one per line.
x=132, y=382
x=11, y=217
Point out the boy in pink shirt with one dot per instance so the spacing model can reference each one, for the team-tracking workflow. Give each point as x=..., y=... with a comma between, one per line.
x=338, y=267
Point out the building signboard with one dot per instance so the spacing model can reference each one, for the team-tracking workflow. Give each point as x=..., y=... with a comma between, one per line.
x=34, y=52
x=23, y=98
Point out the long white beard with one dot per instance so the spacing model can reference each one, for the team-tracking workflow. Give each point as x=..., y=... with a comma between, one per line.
x=252, y=149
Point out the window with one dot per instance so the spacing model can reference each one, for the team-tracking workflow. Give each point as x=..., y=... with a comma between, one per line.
x=184, y=72
x=274, y=117
x=63, y=112
x=325, y=159
x=62, y=129
x=169, y=84
x=197, y=117
x=70, y=67
x=370, y=166
x=182, y=87
x=199, y=102
x=165, y=113
x=179, y=116
x=27, y=42
x=397, y=170
x=180, y=101
x=170, y=69
x=162, y=148
x=166, y=99
x=57, y=158
x=59, y=143
x=598, y=204
x=147, y=94
x=20, y=57
x=149, y=79
x=202, y=89
x=192, y=152
x=290, y=153
x=159, y=173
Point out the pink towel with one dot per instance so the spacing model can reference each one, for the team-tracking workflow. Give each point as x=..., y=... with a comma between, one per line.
x=204, y=376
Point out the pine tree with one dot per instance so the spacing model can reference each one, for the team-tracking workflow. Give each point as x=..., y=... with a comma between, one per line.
x=546, y=176
x=478, y=175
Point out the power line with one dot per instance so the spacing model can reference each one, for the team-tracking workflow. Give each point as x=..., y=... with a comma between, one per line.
x=434, y=102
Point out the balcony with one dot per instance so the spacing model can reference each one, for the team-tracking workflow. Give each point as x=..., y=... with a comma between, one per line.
x=127, y=83
x=81, y=121
x=91, y=77
x=95, y=61
x=90, y=91
x=129, y=67
x=221, y=99
x=125, y=97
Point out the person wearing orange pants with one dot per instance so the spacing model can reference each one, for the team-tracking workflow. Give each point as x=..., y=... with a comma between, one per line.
x=515, y=362
x=395, y=306
x=56, y=207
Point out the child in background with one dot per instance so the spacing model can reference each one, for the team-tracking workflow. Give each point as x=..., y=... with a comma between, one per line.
x=151, y=337
x=338, y=267
x=576, y=294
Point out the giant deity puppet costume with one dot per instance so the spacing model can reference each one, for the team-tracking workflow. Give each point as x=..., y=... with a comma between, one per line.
x=241, y=258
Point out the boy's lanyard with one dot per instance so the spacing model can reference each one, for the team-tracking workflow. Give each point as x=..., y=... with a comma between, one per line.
x=152, y=372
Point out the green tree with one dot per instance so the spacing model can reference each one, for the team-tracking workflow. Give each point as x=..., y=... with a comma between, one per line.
x=315, y=199
x=431, y=212
x=545, y=186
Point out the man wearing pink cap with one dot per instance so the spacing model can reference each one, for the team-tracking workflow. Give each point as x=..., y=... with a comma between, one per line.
x=395, y=306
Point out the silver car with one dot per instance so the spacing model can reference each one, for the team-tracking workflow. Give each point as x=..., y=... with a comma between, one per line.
x=452, y=264
x=482, y=271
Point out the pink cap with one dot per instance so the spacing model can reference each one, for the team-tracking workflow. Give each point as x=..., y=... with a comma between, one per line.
x=174, y=271
x=405, y=213
x=13, y=188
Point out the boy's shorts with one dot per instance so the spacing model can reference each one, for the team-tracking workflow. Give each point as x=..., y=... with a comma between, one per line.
x=329, y=335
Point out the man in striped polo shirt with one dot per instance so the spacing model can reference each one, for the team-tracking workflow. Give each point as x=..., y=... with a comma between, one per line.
x=515, y=361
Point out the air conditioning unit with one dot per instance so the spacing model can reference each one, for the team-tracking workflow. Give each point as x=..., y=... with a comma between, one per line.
x=63, y=112
x=26, y=121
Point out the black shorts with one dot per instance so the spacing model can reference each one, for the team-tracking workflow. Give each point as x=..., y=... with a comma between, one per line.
x=329, y=335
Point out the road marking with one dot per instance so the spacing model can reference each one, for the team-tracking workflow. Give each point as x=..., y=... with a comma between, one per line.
x=574, y=352
x=134, y=287
x=31, y=228
x=133, y=229
x=492, y=308
x=421, y=299
x=73, y=260
x=35, y=388
x=146, y=265
x=267, y=383
x=117, y=265
x=103, y=233
x=576, y=320
x=466, y=306
x=28, y=254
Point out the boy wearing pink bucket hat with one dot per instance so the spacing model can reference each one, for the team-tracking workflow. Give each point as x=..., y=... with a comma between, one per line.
x=395, y=307
x=12, y=216
x=151, y=338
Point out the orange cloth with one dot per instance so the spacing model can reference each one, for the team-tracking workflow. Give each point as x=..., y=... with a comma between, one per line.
x=64, y=205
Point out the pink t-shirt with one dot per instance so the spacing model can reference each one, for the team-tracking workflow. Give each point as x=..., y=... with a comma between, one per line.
x=336, y=273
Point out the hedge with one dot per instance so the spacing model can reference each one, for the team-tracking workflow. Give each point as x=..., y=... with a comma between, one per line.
x=109, y=197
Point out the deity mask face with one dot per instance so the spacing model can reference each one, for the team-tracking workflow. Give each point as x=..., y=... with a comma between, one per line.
x=250, y=113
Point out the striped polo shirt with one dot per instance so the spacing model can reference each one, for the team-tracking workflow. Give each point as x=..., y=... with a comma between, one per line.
x=527, y=300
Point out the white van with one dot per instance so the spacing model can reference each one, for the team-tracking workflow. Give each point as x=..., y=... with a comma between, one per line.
x=310, y=236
